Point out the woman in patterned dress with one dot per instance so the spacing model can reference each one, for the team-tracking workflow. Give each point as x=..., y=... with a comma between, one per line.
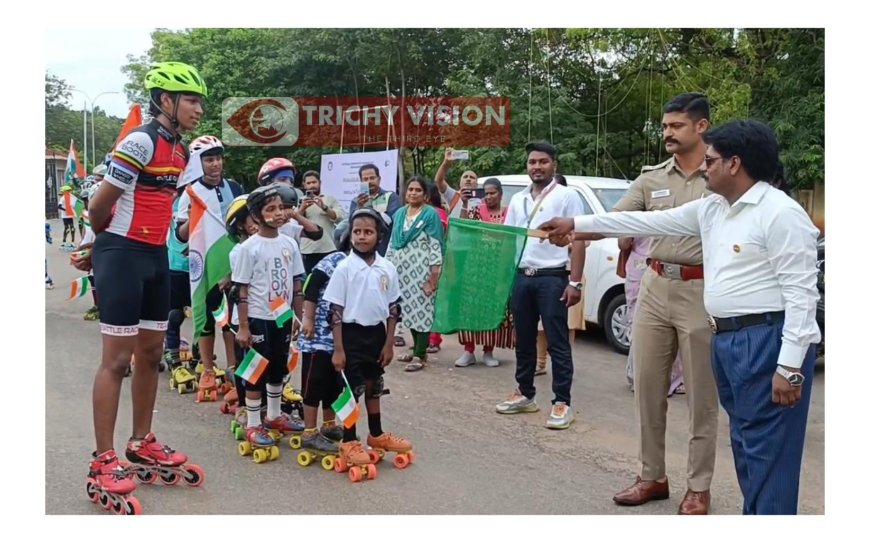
x=416, y=249
x=489, y=210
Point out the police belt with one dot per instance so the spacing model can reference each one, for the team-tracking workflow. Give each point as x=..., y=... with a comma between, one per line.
x=676, y=271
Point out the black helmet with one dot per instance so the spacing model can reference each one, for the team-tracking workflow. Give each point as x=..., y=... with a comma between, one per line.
x=288, y=194
x=368, y=212
x=258, y=197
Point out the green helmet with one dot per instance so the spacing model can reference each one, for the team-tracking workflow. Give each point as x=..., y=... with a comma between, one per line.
x=175, y=77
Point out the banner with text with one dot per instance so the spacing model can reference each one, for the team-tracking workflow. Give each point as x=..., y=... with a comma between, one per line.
x=339, y=174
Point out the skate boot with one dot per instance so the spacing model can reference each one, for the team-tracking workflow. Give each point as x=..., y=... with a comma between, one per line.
x=223, y=384
x=388, y=442
x=291, y=401
x=184, y=354
x=182, y=380
x=239, y=423
x=231, y=398
x=331, y=431
x=150, y=460
x=315, y=446
x=92, y=314
x=208, y=391
x=259, y=444
x=353, y=459
x=283, y=425
x=109, y=484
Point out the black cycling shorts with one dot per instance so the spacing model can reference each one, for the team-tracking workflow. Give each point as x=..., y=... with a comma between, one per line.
x=134, y=284
x=179, y=285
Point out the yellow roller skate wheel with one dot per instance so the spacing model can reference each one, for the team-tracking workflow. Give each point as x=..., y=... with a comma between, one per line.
x=304, y=458
x=260, y=456
x=295, y=442
x=274, y=453
x=245, y=448
x=328, y=462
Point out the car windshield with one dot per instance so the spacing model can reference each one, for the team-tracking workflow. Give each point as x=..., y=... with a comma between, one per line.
x=609, y=197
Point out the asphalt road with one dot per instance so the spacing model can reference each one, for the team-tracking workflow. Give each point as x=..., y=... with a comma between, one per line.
x=470, y=460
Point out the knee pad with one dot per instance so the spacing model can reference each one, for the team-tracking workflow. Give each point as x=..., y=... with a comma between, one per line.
x=176, y=318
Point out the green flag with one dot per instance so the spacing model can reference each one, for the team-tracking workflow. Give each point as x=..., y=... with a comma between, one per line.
x=477, y=276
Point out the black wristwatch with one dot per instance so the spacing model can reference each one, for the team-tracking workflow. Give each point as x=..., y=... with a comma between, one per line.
x=794, y=378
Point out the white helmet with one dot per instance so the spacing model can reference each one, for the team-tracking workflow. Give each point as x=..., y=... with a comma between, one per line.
x=93, y=189
x=208, y=145
x=101, y=169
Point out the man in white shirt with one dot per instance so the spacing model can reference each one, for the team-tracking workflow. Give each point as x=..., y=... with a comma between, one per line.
x=760, y=292
x=542, y=290
x=457, y=206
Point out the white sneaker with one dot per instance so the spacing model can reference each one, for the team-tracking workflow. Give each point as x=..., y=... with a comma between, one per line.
x=561, y=416
x=467, y=359
x=490, y=360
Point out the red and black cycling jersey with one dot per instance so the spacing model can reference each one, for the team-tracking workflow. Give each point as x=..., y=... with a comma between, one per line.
x=147, y=165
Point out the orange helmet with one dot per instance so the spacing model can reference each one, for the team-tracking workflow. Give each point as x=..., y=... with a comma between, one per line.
x=273, y=166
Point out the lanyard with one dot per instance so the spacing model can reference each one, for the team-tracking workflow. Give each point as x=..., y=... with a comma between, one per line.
x=538, y=202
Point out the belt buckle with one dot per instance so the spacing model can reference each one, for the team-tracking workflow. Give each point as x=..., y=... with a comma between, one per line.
x=712, y=322
x=672, y=271
x=530, y=272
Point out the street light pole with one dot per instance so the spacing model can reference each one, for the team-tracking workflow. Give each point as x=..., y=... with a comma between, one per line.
x=85, y=115
x=94, y=122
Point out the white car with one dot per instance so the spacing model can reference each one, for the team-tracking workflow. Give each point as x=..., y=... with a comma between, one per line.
x=604, y=290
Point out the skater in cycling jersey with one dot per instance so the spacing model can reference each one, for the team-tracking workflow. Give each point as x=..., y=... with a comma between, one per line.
x=130, y=215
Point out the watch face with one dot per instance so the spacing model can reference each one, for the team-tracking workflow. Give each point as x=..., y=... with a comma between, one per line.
x=796, y=379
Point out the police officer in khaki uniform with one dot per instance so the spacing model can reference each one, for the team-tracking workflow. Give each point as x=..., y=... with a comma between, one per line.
x=670, y=316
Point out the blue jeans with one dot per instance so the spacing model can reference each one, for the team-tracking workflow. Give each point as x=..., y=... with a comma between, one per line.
x=537, y=298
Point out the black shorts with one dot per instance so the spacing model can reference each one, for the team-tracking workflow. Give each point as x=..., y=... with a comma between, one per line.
x=212, y=302
x=68, y=222
x=273, y=344
x=362, y=348
x=134, y=284
x=179, y=287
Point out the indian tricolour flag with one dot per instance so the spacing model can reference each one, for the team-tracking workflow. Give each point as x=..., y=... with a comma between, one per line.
x=252, y=367
x=74, y=168
x=221, y=315
x=209, y=251
x=345, y=407
x=79, y=288
x=282, y=310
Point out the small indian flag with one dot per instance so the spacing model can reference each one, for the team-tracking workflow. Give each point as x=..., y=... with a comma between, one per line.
x=282, y=310
x=345, y=407
x=252, y=367
x=79, y=288
x=221, y=315
x=293, y=359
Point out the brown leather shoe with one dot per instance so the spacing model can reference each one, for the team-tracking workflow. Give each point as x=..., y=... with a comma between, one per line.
x=643, y=491
x=695, y=503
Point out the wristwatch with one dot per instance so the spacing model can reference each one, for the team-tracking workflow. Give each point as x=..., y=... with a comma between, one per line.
x=794, y=378
x=576, y=285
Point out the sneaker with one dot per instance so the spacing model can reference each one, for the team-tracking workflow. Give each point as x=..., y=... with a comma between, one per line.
x=389, y=442
x=257, y=435
x=561, y=416
x=284, y=424
x=517, y=403
x=490, y=360
x=467, y=359
x=49, y=286
x=332, y=431
x=318, y=442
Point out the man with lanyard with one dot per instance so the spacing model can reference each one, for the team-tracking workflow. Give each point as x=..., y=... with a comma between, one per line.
x=760, y=293
x=384, y=202
x=457, y=206
x=543, y=290
x=217, y=192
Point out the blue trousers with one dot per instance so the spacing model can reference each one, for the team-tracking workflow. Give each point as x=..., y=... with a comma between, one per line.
x=537, y=298
x=767, y=439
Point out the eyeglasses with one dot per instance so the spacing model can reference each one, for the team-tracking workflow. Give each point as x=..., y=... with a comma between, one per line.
x=710, y=160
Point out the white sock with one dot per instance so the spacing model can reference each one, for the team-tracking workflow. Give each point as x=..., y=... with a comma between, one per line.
x=273, y=400
x=253, y=409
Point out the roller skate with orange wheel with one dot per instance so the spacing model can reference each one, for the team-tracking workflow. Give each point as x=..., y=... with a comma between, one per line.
x=110, y=485
x=259, y=444
x=315, y=445
x=150, y=461
x=223, y=384
x=388, y=442
x=284, y=425
x=356, y=461
x=208, y=391
x=230, y=400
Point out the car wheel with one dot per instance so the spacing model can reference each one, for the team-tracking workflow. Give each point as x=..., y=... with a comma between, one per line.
x=616, y=324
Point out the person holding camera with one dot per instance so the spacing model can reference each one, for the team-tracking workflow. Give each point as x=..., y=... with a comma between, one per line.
x=323, y=210
x=456, y=203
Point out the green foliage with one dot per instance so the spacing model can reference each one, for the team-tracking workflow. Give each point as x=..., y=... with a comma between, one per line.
x=597, y=93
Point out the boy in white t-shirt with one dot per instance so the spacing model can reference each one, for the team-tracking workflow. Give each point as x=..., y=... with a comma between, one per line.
x=364, y=301
x=268, y=270
x=81, y=251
